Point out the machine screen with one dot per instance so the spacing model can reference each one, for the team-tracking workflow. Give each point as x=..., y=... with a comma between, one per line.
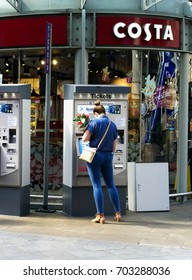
x=113, y=109
x=80, y=145
x=6, y=108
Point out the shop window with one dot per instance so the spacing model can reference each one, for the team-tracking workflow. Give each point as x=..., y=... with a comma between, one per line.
x=28, y=66
x=62, y=73
x=121, y=67
x=110, y=67
x=190, y=119
x=159, y=107
x=153, y=102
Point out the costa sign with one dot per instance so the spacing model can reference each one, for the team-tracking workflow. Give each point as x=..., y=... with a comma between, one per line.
x=135, y=30
x=153, y=32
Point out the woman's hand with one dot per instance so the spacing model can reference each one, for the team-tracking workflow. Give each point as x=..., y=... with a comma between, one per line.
x=86, y=136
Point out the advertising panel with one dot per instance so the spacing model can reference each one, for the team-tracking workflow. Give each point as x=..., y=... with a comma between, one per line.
x=22, y=31
x=137, y=31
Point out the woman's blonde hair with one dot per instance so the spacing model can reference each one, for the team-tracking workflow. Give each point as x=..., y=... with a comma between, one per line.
x=98, y=108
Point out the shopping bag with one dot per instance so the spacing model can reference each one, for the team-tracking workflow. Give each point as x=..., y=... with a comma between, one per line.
x=88, y=154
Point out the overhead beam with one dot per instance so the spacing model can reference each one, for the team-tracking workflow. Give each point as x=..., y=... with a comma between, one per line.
x=16, y=4
x=83, y=2
x=146, y=4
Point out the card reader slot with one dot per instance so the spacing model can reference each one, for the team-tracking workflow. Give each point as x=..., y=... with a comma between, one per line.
x=11, y=151
x=118, y=151
x=118, y=166
x=10, y=165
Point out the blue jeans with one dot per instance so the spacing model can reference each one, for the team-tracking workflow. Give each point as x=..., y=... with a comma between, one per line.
x=102, y=164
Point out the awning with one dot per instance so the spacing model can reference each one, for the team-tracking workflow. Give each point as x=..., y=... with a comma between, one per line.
x=9, y=6
x=83, y=2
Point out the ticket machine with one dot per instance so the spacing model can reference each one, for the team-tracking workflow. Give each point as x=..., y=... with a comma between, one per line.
x=15, y=149
x=78, y=194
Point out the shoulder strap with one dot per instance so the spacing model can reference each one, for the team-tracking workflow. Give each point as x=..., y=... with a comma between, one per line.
x=104, y=135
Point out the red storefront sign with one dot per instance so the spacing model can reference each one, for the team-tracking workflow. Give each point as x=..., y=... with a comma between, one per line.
x=137, y=31
x=30, y=31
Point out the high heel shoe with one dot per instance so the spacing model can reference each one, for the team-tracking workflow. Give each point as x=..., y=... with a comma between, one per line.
x=99, y=218
x=117, y=217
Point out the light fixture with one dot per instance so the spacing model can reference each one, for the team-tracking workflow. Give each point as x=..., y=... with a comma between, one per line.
x=6, y=62
x=7, y=65
x=42, y=62
x=54, y=61
x=39, y=72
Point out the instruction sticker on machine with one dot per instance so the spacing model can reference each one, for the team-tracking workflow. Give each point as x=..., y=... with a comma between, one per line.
x=12, y=121
x=120, y=121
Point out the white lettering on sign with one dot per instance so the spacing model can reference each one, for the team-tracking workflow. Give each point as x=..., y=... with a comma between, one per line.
x=101, y=96
x=116, y=30
x=135, y=30
x=168, y=34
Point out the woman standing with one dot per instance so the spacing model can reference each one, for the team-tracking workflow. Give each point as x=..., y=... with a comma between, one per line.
x=102, y=163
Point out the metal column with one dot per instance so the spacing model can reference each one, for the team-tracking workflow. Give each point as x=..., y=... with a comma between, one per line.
x=183, y=125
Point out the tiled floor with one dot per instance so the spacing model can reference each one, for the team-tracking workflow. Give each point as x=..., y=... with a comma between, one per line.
x=144, y=235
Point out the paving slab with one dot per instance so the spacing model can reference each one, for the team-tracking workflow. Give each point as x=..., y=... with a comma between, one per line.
x=140, y=235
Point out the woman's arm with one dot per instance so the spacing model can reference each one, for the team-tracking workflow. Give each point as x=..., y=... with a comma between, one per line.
x=114, y=145
x=86, y=136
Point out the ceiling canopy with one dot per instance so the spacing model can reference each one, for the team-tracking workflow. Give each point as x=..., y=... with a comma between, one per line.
x=9, y=6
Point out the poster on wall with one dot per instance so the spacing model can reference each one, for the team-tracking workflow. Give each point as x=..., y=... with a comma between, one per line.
x=160, y=95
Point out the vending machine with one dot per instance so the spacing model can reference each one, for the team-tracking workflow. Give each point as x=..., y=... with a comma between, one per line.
x=15, y=149
x=78, y=194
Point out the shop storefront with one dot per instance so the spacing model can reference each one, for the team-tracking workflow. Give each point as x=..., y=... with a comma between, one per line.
x=149, y=53
x=22, y=60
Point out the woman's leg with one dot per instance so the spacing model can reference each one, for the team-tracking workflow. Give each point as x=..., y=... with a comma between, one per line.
x=107, y=172
x=94, y=172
